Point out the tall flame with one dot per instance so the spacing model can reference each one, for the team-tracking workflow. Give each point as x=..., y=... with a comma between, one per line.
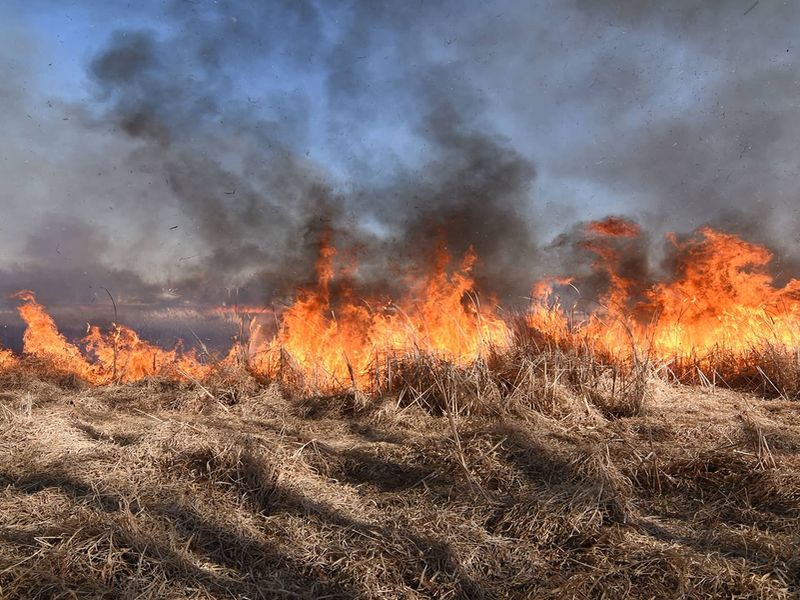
x=724, y=297
x=43, y=340
x=721, y=297
x=338, y=343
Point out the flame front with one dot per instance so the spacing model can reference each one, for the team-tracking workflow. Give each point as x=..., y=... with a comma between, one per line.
x=724, y=297
x=119, y=356
x=43, y=340
x=337, y=342
x=718, y=296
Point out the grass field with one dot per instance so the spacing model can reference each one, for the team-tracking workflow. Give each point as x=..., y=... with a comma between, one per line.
x=169, y=490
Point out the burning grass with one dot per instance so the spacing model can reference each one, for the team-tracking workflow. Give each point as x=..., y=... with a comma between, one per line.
x=496, y=480
x=717, y=319
x=429, y=448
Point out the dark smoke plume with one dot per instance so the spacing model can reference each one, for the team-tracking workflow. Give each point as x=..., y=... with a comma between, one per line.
x=221, y=140
x=258, y=207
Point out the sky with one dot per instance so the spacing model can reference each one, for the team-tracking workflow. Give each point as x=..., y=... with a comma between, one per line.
x=180, y=152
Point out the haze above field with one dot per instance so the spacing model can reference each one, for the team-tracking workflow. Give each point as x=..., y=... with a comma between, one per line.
x=175, y=151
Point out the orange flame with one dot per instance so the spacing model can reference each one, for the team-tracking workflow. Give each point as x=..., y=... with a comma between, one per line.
x=7, y=359
x=720, y=295
x=43, y=340
x=120, y=356
x=723, y=297
x=614, y=227
x=337, y=344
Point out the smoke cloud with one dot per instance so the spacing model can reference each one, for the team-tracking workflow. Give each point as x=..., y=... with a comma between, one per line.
x=210, y=145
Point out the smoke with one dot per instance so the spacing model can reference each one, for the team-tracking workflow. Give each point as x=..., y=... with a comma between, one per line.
x=250, y=202
x=257, y=205
x=719, y=149
x=212, y=144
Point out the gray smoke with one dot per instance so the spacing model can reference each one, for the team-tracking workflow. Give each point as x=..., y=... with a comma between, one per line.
x=258, y=206
x=218, y=146
x=727, y=156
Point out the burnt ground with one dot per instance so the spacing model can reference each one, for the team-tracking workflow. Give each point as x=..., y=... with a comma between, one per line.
x=159, y=491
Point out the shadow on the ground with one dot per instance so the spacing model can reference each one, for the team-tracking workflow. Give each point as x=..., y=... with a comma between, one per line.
x=187, y=540
x=243, y=565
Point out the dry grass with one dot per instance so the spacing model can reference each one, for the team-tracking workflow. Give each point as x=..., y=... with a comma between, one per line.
x=546, y=475
x=767, y=369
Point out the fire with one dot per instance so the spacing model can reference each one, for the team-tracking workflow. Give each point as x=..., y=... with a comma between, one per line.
x=718, y=296
x=326, y=345
x=43, y=340
x=614, y=227
x=6, y=359
x=723, y=297
x=119, y=356
x=336, y=341
x=451, y=319
x=123, y=356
